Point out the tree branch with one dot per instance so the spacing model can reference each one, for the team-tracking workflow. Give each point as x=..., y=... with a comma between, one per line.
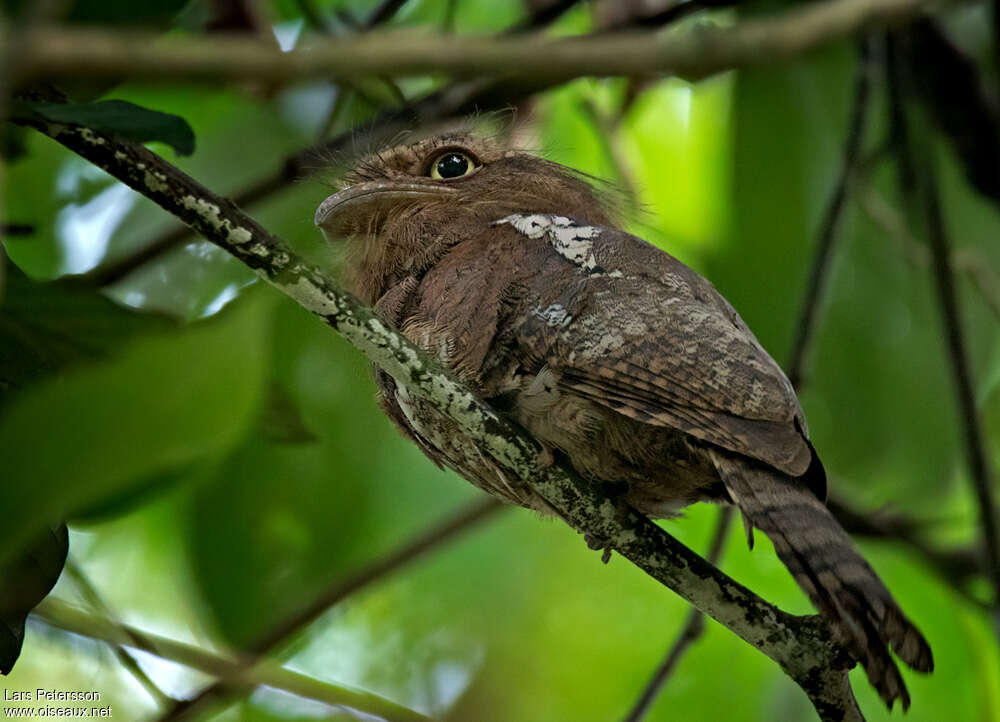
x=980, y=465
x=61, y=615
x=919, y=183
x=833, y=215
x=457, y=99
x=16, y=229
x=286, y=628
x=692, y=630
x=90, y=594
x=56, y=52
x=955, y=566
x=800, y=645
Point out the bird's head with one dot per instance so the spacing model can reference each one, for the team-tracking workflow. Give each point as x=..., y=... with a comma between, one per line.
x=400, y=209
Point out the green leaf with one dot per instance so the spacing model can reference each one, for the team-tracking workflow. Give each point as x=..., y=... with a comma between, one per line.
x=332, y=505
x=168, y=400
x=24, y=582
x=115, y=116
x=45, y=327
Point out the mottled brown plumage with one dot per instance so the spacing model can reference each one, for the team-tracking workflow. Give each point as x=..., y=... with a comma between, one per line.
x=610, y=352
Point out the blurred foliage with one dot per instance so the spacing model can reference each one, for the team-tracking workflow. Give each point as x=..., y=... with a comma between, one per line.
x=114, y=116
x=221, y=460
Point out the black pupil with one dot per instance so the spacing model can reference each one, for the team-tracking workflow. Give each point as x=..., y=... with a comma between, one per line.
x=453, y=165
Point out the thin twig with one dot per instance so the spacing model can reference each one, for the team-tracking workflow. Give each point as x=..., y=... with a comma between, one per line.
x=448, y=19
x=383, y=13
x=16, y=229
x=980, y=465
x=692, y=630
x=984, y=279
x=834, y=213
x=454, y=100
x=956, y=567
x=801, y=646
x=379, y=16
x=919, y=183
x=313, y=17
x=61, y=615
x=129, y=662
x=606, y=128
x=547, y=13
x=336, y=110
x=451, y=101
x=288, y=627
x=673, y=13
x=969, y=260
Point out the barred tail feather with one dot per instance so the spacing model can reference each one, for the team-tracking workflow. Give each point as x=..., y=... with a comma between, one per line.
x=863, y=616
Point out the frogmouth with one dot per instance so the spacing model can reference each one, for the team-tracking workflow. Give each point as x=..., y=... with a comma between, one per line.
x=612, y=354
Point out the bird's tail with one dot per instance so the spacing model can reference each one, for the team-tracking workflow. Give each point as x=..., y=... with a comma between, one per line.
x=863, y=616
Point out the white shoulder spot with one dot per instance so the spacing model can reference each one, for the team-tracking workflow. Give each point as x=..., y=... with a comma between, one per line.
x=570, y=240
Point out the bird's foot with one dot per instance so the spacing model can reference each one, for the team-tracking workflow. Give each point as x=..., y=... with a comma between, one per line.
x=594, y=542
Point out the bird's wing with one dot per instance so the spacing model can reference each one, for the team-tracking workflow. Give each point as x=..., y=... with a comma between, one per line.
x=637, y=331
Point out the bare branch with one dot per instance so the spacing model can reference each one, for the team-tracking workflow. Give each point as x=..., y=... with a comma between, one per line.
x=672, y=13
x=691, y=55
x=286, y=628
x=451, y=101
x=61, y=615
x=919, y=183
x=957, y=567
x=692, y=630
x=800, y=645
x=980, y=465
x=89, y=592
x=545, y=14
x=16, y=229
x=383, y=13
x=455, y=100
x=833, y=215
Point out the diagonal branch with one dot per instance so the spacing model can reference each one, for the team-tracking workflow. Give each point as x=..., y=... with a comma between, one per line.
x=63, y=616
x=693, y=628
x=455, y=100
x=834, y=213
x=89, y=592
x=955, y=566
x=801, y=646
x=286, y=628
x=980, y=465
x=919, y=184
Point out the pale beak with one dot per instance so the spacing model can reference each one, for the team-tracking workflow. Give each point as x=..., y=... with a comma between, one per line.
x=380, y=191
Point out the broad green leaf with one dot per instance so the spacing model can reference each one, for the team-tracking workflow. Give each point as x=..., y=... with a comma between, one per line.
x=332, y=505
x=116, y=116
x=24, y=582
x=46, y=327
x=165, y=401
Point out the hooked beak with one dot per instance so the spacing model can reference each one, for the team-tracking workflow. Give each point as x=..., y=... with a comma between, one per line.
x=363, y=194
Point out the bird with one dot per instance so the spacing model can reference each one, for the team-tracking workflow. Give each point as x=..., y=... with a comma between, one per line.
x=617, y=358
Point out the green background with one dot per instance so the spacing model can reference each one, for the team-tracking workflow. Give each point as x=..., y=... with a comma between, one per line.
x=221, y=457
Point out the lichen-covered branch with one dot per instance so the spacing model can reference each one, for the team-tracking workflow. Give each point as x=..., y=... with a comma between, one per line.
x=800, y=645
x=694, y=54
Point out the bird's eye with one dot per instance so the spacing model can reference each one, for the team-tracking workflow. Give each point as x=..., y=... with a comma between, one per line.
x=451, y=165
